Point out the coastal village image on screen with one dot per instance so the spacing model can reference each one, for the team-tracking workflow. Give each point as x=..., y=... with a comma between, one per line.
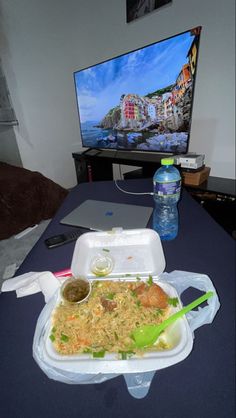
x=141, y=100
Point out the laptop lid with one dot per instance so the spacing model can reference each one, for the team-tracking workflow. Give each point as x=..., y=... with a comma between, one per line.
x=103, y=216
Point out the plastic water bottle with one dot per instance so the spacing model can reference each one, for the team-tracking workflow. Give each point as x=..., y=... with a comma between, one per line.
x=166, y=189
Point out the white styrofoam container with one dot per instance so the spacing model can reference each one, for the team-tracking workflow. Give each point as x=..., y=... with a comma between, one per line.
x=135, y=252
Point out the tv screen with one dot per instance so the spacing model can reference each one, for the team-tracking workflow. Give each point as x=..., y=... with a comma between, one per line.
x=141, y=100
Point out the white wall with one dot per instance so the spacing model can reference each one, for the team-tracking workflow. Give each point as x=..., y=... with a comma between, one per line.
x=9, y=152
x=43, y=42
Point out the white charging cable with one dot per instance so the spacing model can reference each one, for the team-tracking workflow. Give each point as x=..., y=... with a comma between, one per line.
x=125, y=191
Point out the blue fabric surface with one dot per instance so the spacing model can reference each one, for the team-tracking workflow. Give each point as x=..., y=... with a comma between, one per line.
x=200, y=386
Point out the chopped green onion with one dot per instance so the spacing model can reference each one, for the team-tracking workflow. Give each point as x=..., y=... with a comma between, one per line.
x=110, y=296
x=99, y=354
x=150, y=280
x=106, y=250
x=87, y=351
x=173, y=301
x=53, y=329
x=126, y=354
x=52, y=337
x=159, y=312
x=64, y=338
x=95, y=284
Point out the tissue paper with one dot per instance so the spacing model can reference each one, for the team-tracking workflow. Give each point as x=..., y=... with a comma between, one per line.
x=31, y=283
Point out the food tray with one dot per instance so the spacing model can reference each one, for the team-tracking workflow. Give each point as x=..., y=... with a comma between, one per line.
x=135, y=252
x=178, y=335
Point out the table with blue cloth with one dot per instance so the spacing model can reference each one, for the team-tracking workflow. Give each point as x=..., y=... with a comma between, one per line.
x=202, y=385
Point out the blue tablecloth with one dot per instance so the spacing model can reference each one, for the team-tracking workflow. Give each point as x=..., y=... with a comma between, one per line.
x=201, y=386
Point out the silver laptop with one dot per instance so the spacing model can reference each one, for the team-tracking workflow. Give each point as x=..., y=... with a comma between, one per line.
x=103, y=216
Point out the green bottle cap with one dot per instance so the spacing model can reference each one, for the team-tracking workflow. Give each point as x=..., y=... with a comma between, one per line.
x=167, y=161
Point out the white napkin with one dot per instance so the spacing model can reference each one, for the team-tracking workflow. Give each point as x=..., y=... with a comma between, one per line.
x=33, y=282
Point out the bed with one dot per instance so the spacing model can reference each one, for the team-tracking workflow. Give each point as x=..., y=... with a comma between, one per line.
x=26, y=198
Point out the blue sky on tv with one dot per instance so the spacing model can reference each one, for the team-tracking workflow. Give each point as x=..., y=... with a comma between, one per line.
x=100, y=87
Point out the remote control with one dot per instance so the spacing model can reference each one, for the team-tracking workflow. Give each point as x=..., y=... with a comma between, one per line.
x=64, y=238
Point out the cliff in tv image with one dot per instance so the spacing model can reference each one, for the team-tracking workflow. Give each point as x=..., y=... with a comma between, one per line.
x=165, y=110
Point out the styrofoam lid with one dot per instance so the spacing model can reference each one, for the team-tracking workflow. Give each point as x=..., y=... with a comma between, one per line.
x=131, y=252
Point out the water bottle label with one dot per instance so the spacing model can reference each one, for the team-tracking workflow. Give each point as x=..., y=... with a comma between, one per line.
x=170, y=188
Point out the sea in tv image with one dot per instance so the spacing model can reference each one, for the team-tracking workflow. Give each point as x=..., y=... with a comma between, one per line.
x=141, y=100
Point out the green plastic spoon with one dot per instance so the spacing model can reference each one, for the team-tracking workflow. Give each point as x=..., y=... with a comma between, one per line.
x=146, y=335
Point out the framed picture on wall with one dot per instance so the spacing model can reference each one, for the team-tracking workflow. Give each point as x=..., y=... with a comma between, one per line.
x=139, y=8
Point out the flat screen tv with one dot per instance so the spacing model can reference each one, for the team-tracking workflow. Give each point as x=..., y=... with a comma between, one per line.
x=141, y=100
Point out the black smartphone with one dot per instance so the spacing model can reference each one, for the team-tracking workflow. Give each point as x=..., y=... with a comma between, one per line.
x=64, y=238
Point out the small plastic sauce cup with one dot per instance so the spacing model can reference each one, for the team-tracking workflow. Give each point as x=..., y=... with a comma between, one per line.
x=102, y=265
x=76, y=290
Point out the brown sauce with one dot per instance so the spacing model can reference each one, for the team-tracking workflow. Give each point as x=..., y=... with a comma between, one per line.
x=75, y=291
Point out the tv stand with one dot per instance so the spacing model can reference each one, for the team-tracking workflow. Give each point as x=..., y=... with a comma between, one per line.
x=96, y=165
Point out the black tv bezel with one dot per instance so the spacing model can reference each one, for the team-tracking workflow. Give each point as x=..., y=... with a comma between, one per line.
x=167, y=153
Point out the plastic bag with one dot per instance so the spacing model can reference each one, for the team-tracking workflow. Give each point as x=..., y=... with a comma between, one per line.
x=137, y=383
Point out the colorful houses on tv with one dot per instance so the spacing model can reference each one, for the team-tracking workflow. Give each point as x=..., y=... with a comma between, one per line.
x=170, y=109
